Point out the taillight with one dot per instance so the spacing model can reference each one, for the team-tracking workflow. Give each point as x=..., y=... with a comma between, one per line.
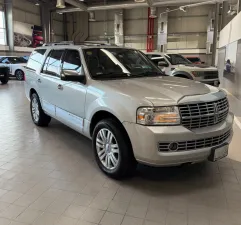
x=24, y=77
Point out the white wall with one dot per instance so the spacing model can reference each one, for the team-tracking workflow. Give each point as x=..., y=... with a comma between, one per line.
x=135, y=27
x=231, y=32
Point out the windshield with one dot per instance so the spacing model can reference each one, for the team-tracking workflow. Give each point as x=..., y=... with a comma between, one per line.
x=176, y=59
x=13, y=60
x=118, y=63
x=194, y=59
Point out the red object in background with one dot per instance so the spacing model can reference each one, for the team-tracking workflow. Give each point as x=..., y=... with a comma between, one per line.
x=37, y=37
x=150, y=33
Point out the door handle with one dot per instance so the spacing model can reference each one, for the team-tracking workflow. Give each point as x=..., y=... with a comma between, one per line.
x=39, y=80
x=60, y=87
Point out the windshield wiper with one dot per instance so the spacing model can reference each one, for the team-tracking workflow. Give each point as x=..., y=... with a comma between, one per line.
x=149, y=73
x=111, y=75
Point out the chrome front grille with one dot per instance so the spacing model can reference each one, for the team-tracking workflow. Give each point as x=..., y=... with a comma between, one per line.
x=196, y=144
x=204, y=114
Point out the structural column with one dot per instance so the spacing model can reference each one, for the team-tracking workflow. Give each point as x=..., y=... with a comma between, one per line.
x=119, y=28
x=9, y=23
x=46, y=22
x=162, y=31
x=215, y=33
x=224, y=18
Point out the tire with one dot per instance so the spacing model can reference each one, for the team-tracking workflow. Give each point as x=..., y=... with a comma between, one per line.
x=19, y=75
x=116, y=159
x=5, y=79
x=38, y=116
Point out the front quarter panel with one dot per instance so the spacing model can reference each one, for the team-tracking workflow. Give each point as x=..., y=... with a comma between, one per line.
x=107, y=99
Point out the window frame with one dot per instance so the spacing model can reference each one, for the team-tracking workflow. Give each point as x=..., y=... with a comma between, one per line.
x=47, y=58
x=4, y=27
x=65, y=53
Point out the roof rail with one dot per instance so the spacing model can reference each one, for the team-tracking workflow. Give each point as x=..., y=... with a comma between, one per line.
x=85, y=43
x=59, y=43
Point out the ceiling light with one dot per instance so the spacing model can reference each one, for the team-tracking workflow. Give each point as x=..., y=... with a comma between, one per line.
x=37, y=4
x=60, y=4
x=140, y=1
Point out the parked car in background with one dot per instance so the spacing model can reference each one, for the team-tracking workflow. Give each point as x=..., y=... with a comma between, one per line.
x=194, y=59
x=26, y=57
x=178, y=66
x=4, y=74
x=15, y=65
x=123, y=102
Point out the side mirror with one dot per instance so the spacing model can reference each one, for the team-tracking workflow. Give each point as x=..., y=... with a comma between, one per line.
x=73, y=75
x=162, y=64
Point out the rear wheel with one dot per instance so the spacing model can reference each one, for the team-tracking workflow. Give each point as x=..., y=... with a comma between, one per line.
x=113, y=150
x=19, y=75
x=37, y=113
x=5, y=79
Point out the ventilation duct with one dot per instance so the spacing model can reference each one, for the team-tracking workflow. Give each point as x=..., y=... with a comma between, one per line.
x=153, y=13
x=92, y=16
x=60, y=4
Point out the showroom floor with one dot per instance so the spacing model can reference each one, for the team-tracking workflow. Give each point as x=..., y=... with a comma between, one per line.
x=49, y=176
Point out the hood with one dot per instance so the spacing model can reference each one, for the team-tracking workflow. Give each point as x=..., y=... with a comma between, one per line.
x=198, y=67
x=160, y=90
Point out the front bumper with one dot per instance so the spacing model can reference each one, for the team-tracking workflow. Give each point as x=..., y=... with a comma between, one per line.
x=145, y=141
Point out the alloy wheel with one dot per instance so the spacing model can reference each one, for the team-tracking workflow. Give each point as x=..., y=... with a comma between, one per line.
x=35, y=109
x=107, y=149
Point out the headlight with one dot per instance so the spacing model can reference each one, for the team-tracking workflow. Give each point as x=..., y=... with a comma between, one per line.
x=158, y=116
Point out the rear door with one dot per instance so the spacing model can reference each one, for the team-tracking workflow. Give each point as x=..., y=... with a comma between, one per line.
x=49, y=81
x=33, y=70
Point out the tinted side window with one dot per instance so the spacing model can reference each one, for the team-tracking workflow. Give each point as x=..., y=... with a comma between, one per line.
x=53, y=62
x=36, y=59
x=156, y=61
x=72, y=61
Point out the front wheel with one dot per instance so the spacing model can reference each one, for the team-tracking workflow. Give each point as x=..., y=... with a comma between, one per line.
x=113, y=150
x=19, y=75
x=37, y=113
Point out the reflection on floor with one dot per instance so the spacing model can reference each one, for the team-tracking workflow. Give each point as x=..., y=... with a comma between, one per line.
x=48, y=177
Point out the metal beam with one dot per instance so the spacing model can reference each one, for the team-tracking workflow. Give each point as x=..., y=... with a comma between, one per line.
x=77, y=4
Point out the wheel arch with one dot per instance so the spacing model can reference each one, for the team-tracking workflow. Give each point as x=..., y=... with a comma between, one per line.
x=31, y=91
x=183, y=74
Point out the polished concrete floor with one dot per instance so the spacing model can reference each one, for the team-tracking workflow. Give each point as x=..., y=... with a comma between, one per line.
x=48, y=176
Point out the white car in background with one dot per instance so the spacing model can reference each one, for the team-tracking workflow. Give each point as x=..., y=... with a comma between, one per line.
x=178, y=66
x=16, y=65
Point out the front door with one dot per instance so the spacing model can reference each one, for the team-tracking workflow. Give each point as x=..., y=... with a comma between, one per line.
x=70, y=106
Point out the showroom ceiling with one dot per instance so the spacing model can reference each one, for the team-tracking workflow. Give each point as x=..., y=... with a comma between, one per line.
x=104, y=2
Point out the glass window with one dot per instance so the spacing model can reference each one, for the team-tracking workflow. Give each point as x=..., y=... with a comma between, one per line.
x=36, y=59
x=118, y=63
x=53, y=62
x=2, y=29
x=72, y=61
x=176, y=59
x=13, y=60
x=156, y=61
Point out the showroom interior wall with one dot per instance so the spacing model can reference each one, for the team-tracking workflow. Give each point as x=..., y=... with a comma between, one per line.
x=230, y=48
x=187, y=31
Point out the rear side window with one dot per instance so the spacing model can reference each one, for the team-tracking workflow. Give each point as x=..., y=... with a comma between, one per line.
x=53, y=62
x=36, y=59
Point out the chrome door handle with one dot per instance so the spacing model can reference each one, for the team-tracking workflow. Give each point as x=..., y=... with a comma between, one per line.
x=60, y=87
x=39, y=80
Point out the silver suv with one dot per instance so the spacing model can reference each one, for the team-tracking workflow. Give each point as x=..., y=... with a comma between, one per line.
x=118, y=98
